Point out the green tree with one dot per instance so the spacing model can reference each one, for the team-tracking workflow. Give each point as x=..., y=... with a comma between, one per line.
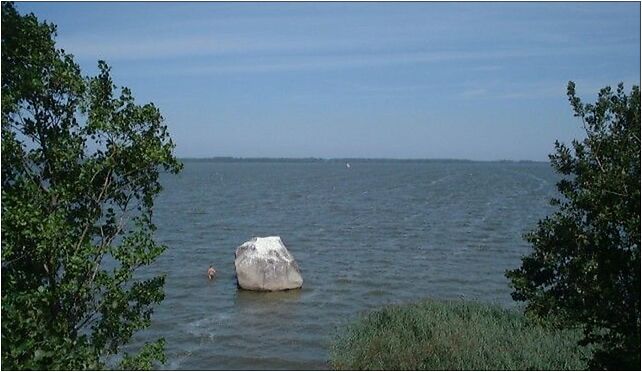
x=80, y=169
x=585, y=266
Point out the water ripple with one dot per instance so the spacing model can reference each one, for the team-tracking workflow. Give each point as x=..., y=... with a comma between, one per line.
x=374, y=234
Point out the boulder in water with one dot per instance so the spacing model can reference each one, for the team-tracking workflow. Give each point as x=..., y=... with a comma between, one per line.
x=264, y=264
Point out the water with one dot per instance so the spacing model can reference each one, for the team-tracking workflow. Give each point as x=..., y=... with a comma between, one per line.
x=372, y=234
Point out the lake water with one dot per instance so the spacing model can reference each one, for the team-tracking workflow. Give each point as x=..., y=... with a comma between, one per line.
x=372, y=234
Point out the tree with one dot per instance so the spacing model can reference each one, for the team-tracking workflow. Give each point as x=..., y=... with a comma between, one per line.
x=585, y=265
x=80, y=169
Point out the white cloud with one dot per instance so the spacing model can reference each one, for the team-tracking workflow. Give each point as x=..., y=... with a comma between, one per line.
x=293, y=61
x=474, y=92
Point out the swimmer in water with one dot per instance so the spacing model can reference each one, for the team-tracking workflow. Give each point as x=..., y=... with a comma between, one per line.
x=210, y=273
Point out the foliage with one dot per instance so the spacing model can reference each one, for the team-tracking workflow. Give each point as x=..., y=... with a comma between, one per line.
x=585, y=264
x=454, y=335
x=80, y=169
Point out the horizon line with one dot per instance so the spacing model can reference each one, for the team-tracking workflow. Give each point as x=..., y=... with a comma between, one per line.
x=314, y=158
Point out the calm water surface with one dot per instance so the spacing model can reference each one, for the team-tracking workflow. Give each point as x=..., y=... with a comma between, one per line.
x=373, y=234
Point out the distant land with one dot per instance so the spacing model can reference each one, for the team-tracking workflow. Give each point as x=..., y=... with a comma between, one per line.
x=231, y=159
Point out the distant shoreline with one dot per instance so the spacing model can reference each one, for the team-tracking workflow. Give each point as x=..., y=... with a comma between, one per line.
x=230, y=159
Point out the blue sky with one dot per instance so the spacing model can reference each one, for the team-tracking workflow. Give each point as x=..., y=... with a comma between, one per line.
x=482, y=81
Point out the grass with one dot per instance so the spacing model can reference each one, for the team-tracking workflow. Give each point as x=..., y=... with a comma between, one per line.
x=454, y=335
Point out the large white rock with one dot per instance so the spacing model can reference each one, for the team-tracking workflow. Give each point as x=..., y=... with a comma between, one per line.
x=264, y=264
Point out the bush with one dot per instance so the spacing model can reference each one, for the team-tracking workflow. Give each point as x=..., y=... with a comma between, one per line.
x=454, y=335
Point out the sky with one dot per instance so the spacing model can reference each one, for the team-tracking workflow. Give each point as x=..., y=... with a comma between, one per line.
x=480, y=81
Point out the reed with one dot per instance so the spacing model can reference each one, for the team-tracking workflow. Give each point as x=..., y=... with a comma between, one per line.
x=454, y=335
